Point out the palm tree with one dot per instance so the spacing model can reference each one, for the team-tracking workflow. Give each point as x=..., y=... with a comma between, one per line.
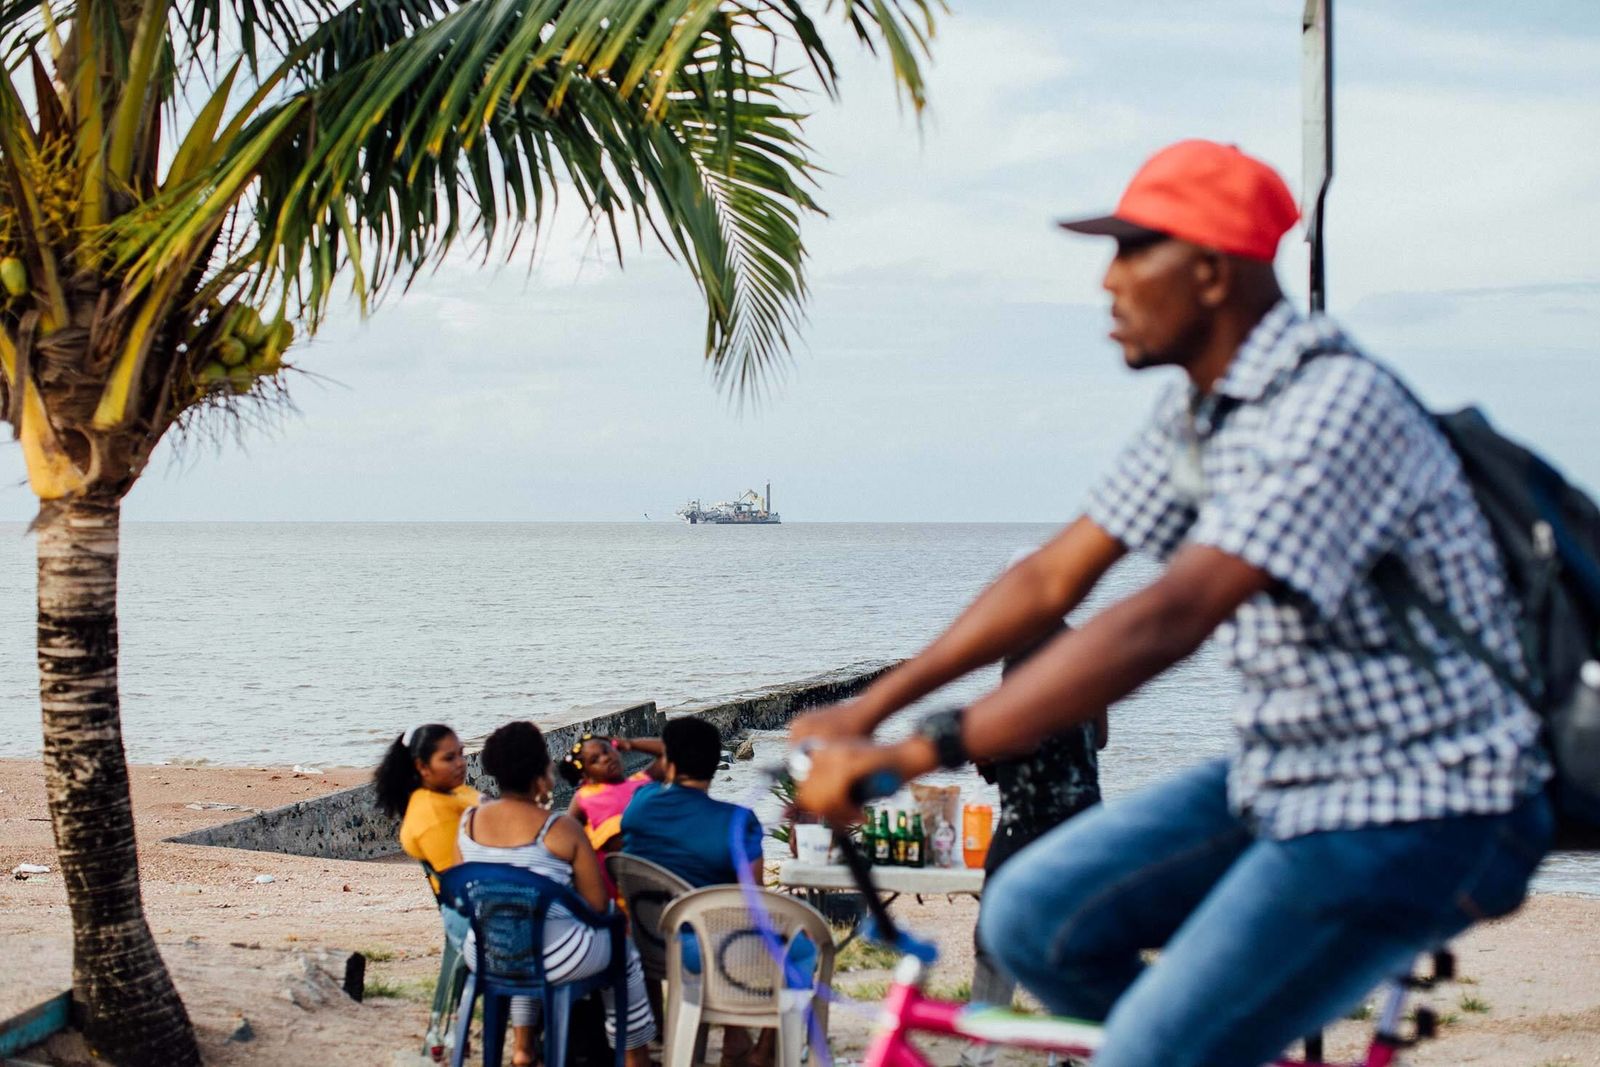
x=183, y=184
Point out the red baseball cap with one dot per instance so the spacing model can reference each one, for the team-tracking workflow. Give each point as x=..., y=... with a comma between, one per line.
x=1208, y=193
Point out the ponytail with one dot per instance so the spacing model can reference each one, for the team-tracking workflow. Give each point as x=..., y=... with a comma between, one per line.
x=396, y=777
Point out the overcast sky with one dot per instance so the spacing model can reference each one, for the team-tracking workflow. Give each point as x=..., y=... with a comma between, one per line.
x=955, y=366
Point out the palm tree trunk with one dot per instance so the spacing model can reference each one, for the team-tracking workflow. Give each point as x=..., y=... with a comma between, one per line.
x=129, y=1010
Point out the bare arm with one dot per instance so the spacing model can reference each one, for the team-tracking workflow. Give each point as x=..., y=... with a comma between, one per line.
x=1023, y=605
x=649, y=745
x=567, y=841
x=1069, y=681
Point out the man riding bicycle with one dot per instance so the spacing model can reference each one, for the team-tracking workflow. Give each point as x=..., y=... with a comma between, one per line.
x=1379, y=798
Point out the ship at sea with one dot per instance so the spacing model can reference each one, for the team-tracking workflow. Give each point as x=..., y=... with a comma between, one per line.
x=749, y=509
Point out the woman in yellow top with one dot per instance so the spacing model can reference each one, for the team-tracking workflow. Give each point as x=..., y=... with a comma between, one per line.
x=422, y=780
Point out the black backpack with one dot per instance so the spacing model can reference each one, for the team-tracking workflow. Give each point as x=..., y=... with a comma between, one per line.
x=1548, y=534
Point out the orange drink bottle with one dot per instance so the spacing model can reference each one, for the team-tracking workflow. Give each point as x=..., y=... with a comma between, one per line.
x=977, y=827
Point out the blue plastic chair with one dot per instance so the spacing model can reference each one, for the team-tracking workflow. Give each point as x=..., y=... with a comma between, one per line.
x=507, y=907
x=440, y=1035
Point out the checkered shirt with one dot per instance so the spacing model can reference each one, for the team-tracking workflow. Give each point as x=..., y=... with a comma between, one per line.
x=1312, y=472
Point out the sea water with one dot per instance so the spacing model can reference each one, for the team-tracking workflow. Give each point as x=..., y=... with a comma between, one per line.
x=268, y=644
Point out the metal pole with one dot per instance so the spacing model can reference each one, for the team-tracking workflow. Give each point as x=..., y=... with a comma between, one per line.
x=1316, y=47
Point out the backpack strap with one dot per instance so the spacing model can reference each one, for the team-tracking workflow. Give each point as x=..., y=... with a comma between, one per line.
x=1401, y=594
x=1396, y=587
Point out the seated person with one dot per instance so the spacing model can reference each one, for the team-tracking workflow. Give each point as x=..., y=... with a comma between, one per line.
x=520, y=829
x=602, y=788
x=422, y=781
x=678, y=825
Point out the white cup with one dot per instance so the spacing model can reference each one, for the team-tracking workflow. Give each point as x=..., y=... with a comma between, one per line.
x=812, y=842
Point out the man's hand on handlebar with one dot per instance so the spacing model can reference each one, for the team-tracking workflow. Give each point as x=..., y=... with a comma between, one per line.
x=843, y=721
x=844, y=775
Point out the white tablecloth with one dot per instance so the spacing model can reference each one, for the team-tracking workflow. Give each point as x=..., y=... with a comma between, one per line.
x=929, y=881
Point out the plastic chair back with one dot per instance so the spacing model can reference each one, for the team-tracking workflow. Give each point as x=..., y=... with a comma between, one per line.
x=507, y=907
x=740, y=975
x=440, y=1034
x=647, y=888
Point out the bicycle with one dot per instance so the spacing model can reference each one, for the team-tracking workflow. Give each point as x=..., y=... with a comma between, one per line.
x=908, y=1010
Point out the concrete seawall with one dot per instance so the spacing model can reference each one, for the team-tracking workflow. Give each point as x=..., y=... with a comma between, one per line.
x=348, y=825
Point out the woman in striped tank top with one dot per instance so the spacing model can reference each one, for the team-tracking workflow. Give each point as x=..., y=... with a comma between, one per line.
x=520, y=829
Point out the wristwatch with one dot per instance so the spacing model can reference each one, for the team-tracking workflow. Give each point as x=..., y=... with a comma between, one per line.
x=943, y=728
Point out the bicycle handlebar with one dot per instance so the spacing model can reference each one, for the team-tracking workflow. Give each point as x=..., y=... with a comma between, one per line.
x=873, y=787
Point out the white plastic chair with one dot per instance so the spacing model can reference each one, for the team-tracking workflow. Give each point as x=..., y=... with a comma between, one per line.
x=741, y=980
x=646, y=889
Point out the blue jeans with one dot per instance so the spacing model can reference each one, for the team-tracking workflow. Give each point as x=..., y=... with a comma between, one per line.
x=1263, y=941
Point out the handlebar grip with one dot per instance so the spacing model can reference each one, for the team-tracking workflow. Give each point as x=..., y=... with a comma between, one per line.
x=874, y=786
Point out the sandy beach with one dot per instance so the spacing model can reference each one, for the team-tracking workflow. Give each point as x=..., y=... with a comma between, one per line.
x=271, y=953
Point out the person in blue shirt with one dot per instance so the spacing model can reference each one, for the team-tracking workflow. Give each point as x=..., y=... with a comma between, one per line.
x=679, y=825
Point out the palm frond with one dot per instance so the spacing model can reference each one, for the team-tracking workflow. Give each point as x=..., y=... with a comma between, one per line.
x=149, y=42
x=263, y=32
x=655, y=112
x=316, y=143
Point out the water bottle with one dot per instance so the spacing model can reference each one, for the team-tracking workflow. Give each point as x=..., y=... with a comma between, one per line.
x=944, y=845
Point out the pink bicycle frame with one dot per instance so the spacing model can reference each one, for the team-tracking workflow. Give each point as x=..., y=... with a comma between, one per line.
x=907, y=1011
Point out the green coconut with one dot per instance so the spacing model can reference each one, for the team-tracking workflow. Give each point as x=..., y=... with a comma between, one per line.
x=232, y=351
x=213, y=373
x=248, y=327
x=268, y=361
x=14, y=275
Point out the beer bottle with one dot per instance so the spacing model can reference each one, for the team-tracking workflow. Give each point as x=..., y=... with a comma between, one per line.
x=917, y=844
x=902, y=839
x=882, y=843
x=869, y=831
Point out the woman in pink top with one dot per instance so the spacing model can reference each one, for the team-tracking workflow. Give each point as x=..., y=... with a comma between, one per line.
x=602, y=788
